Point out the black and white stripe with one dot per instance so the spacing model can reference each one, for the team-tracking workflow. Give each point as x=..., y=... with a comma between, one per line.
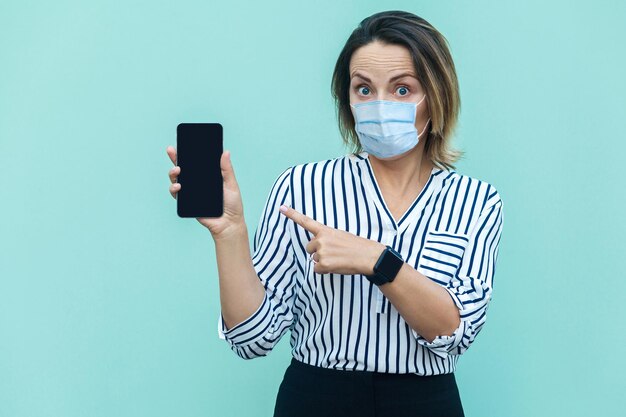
x=450, y=233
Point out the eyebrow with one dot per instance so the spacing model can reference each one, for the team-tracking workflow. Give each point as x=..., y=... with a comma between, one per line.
x=406, y=74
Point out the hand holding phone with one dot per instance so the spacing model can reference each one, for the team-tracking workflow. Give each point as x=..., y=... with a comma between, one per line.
x=213, y=196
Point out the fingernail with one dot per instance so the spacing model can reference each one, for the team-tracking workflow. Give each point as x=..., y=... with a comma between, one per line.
x=283, y=208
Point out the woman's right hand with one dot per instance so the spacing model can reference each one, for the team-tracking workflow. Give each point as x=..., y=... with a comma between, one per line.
x=232, y=220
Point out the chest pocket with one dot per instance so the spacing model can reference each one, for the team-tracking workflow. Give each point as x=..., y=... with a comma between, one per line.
x=441, y=255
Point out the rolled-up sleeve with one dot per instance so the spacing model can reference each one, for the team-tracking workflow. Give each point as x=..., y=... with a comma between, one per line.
x=471, y=287
x=275, y=264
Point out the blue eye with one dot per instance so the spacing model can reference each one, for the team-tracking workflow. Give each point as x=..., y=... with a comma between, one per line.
x=366, y=88
x=404, y=88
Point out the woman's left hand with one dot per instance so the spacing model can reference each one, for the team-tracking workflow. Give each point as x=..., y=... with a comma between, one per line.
x=337, y=251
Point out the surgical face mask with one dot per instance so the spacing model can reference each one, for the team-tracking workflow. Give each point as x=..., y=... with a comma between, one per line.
x=387, y=128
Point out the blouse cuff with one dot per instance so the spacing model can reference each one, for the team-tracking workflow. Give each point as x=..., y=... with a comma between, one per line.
x=249, y=330
x=443, y=344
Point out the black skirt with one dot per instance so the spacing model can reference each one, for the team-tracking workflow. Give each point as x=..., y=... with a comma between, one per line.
x=308, y=390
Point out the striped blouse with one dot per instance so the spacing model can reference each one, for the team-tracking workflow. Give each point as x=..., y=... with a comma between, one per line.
x=450, y=233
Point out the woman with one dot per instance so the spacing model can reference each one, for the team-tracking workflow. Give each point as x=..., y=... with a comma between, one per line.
x=380, y=262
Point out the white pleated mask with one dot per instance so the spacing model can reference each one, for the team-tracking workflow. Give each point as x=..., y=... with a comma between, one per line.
x=387, y=128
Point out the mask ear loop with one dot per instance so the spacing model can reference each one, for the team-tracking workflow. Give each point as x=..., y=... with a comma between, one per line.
x=417, y=105
x=420, y=102
x=425, y=126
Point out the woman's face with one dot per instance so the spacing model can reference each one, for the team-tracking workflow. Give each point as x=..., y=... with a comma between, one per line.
x=373, y=71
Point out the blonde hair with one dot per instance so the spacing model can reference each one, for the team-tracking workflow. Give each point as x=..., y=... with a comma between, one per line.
x=434, y=68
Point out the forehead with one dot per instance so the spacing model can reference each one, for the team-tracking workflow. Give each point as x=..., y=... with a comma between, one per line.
x=377, y=58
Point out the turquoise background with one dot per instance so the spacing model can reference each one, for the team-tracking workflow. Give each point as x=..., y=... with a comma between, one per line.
x=109, y=301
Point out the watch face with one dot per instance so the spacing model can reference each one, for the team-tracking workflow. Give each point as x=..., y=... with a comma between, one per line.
x=390, y=263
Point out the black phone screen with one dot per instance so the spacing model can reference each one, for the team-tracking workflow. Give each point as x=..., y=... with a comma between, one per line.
x=199, y=150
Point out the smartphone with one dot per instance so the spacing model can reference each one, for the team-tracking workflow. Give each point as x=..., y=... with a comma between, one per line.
x=199, y=148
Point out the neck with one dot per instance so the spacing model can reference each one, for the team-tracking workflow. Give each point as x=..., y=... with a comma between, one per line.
x=403, y=172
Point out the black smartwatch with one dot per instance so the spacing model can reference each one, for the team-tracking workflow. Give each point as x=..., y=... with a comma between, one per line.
x=387, y=267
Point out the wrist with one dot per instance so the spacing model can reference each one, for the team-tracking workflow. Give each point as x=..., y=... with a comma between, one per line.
x=373, y=254
x=234, y=231
x=386, y=267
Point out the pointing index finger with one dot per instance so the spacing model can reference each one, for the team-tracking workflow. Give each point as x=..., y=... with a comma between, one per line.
x=308, y=223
